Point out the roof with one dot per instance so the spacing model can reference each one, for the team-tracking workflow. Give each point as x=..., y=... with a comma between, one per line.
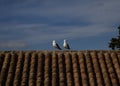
x=60, y=68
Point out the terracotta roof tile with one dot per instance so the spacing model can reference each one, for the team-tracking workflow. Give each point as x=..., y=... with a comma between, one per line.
x=60, y=68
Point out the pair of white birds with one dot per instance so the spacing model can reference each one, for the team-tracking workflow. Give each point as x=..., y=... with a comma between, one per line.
x=65, y=45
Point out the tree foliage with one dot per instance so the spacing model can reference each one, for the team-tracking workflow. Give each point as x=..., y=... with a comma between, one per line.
x=115, y=42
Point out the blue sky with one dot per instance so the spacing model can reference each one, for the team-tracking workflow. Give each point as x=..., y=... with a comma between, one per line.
x=33, y=24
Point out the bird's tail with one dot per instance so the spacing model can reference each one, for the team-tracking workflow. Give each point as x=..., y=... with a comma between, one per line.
x=59, y=48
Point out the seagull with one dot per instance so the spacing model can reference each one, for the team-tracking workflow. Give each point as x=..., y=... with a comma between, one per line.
x=55, y=45
x=65, y=44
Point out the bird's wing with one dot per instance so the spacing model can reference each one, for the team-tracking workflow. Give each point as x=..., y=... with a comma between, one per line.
x=68, y=47
x=57, y=46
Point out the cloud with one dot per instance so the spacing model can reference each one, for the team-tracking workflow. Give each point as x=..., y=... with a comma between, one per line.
x=44, y=31
x=102, y=12
x=41, y=21
x=41, y=33
x=13, y=44
x=70, y=9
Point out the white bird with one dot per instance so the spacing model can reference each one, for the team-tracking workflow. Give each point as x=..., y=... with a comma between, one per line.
x=66, y=45
x=55, y=45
